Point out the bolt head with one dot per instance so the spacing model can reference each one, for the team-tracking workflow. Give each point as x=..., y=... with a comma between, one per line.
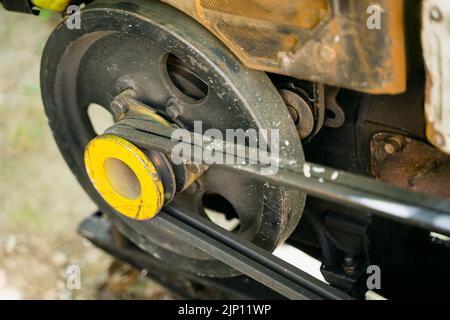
x=348, y=265
x=119, y=106
x=328, y=54
x=173, y=112
x=348, y=260
x=439, y=139
x=435, y=14
x=393, y=145
x=285, y=58
x=390, y=148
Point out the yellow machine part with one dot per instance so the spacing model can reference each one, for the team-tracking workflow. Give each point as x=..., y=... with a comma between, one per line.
x=257, y=30
x=325, y=41
x=124, y=176
x=54, y=5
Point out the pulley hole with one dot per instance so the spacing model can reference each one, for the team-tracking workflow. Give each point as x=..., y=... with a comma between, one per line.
x=122, y=179
x=99, y=117
x=220, y=211
x=185, y=79
x=330, y=114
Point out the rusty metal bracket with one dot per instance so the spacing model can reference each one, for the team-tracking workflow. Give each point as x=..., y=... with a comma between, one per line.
x=409, y=163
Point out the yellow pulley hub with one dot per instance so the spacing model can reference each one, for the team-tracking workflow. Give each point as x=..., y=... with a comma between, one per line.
x=54, y=5
x=124, y=176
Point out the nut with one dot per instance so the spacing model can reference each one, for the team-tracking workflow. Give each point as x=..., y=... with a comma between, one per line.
x=119, y=106
x=394, y=144
x=173, y=112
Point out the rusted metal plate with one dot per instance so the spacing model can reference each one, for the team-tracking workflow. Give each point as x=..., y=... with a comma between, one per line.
x=410, y=164
x=346, y=43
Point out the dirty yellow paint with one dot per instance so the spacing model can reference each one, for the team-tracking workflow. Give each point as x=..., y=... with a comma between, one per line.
x=281, y=36
x=148, y=201
x=54, y=5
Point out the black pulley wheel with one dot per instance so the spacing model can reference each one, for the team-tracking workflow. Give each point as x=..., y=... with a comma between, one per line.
x=169, y=60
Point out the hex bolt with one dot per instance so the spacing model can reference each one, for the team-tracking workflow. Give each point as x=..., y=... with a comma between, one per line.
x=285, y=58
x=439, y=139
x=173, y=111
x=349, y=264
x=328, y=53
x=394, y=144
x=119, y=106
x=435, y=14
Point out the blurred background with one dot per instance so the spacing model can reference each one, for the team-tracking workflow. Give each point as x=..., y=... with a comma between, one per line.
x=41, y=202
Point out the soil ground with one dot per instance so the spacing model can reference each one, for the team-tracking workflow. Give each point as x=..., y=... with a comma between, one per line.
x=41, y=202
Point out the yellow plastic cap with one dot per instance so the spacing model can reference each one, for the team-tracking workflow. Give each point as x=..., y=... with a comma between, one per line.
x=54, y=5
x=124, y=176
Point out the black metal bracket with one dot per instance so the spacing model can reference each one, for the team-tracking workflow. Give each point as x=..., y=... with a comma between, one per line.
x=264, y=275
